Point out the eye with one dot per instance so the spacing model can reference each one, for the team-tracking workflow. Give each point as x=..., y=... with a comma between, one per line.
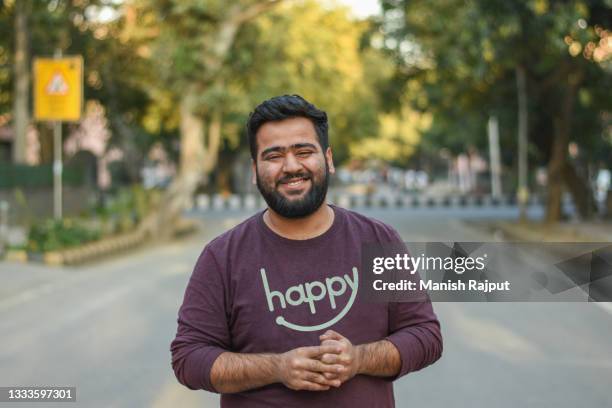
x=304, y=153
x=272, y=157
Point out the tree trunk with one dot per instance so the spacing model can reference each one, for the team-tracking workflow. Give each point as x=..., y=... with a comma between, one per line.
x=22, y=83
x=523, y=189
x=558, y=159
x=198, y=158
x=557, y=166
x=580, y=191
x=192, y=126
x=160, y=223
x=193, y=154
x=213, y=142
x=608, y=206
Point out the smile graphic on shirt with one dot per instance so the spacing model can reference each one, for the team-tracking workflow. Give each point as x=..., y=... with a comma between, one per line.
x=312, y=292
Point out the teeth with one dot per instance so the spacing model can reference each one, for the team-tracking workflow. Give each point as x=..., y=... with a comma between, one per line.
x=295, y=183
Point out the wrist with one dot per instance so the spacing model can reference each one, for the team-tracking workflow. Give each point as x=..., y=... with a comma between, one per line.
x=276, y=363
x=359, y=351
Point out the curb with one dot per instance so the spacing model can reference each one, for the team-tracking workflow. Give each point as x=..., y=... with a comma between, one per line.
x=16, y=255
x=93, y=250
x=529, y=233
x=97, y=249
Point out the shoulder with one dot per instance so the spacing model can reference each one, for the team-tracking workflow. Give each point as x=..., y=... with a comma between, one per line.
x=368, y=227
x=221, y=248
x=245, y=230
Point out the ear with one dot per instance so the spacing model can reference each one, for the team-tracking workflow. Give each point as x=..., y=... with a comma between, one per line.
x=253, y=172
x=330, y=160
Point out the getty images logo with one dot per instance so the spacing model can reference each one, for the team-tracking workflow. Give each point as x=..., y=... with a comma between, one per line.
x=311, y=292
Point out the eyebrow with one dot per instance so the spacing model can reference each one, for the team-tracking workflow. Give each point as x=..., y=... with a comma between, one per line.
x=284, y=149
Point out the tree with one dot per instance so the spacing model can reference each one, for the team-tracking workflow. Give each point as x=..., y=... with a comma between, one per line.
x=22, y=82
x=190, y=42
x=468, y=54
x=73, y=28
x=306, y=49
x=326, y=56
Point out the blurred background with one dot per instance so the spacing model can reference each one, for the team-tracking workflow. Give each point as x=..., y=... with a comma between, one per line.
x=466, y=120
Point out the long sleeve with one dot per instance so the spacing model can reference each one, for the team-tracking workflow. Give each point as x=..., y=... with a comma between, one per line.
x=202, y=333
x=414, y=328
x=415, y=331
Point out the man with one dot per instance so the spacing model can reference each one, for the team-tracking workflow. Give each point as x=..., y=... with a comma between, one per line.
x=270, y=315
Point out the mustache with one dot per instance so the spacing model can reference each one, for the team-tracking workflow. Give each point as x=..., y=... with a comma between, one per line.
x=287, y=178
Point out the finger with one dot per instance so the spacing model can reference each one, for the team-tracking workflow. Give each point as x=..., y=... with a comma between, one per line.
x=331, y=376
x=329, y=342
x=330, y=334
x=318, y=366
x=331, y=359
x=320, y=379
x=316, y=351
x=310, y=386
x=344, y=359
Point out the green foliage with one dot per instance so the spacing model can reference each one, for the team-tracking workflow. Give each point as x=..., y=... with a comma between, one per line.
x=296, y=47
x=179, y=39
x=306, y=49
x=6, y=59
x=122, y=211
x=53, y=235
x=114, y=71
x=139, y=65
x=464, y=56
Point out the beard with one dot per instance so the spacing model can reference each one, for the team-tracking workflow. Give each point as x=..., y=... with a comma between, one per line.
x=299, y=207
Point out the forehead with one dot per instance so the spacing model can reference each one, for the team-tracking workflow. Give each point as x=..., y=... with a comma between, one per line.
x=285, y=133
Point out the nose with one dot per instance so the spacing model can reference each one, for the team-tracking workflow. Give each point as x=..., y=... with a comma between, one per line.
x=291, y=164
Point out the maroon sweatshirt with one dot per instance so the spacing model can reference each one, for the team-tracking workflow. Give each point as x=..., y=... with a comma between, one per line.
x=253, y=291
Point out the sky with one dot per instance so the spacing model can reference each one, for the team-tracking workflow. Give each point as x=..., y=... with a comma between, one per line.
x=362, y=8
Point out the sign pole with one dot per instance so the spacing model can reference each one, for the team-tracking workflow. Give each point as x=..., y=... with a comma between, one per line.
x=57, y=170
x=58, y=98
x=57, y=162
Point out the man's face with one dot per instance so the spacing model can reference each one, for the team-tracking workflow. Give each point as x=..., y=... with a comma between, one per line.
x=291, y=170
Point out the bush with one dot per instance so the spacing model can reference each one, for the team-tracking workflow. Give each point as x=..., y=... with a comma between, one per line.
x=120, y=213
x=53, y=235
x=125, y=209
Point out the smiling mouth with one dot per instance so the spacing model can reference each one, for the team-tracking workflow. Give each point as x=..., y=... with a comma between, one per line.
x=295, y=182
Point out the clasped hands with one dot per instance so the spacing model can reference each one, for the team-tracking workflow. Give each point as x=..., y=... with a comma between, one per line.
x=319, y=368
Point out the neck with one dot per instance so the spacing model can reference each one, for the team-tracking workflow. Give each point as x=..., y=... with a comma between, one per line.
x=300, y=228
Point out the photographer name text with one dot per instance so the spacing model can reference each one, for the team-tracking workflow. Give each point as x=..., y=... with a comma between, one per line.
x=430, y=285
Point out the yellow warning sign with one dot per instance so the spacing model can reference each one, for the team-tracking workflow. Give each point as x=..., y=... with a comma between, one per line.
x=58, y=88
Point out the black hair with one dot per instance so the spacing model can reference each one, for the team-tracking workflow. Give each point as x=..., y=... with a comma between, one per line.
x=285, y=107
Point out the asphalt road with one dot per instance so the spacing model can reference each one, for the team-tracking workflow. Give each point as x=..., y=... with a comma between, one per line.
x=106, y=328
